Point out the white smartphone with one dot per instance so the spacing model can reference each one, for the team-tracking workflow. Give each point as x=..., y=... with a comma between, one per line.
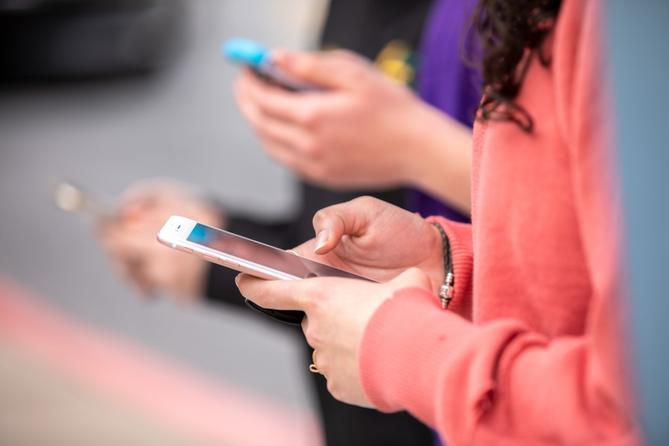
x=245, y=255
x=241, y=253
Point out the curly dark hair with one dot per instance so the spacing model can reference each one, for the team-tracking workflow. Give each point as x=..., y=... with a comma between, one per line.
x=511, y=33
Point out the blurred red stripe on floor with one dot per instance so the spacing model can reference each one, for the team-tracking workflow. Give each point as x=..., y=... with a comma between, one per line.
x=170, y=393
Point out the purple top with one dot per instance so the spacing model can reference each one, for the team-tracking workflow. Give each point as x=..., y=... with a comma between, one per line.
x=445, y=82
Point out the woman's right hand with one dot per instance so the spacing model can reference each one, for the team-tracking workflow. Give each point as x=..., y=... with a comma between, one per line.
x=375, y=239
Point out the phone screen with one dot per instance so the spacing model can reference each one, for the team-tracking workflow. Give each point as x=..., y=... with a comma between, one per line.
x=261, y=254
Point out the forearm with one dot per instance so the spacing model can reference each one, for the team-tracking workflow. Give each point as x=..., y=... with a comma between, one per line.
x=440, y=159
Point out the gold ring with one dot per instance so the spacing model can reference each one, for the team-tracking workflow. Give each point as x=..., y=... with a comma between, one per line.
x=312, y=366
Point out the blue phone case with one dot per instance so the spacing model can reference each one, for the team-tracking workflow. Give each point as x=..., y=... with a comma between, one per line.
x=245, y=51
x=252, y=54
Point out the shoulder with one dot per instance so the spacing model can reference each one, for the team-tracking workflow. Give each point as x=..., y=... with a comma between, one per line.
x=577, y=61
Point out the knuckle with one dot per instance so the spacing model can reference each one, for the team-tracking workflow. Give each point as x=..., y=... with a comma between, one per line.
x=365, y=201
x=320, y=171
x=312, y=148
x=309, y=63
x=312, y=297
x=262, y=297
x=311, y=340
x=316, y=337
x=311, y=335
x=322, y=360
x=344, y=54
x=247, y=290
x=304, y=304
x=352, y=65
x=328, y=168
x=239, y=86
x=334, y=389
x=309, y=116
x=320, y=216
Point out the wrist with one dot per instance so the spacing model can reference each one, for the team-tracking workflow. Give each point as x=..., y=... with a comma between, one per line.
x=442, y=165
x=434, y=266
x=420, y=146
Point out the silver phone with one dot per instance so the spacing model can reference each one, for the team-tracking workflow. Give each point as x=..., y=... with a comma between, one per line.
x=247, y=256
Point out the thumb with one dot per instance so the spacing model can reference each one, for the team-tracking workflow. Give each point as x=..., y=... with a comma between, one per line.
x=335, y=69
x=275, y=294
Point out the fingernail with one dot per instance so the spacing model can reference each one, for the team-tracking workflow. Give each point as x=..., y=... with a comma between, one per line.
x=237, y=279
x=321, y=239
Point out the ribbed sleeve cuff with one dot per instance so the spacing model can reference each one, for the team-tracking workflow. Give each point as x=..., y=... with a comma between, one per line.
x=403, y=352
x=460, y=238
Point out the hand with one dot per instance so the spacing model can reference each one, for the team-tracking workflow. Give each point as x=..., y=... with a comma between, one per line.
x=337, y=313
x=375, y=239
x=130, y=239
x=361, y=130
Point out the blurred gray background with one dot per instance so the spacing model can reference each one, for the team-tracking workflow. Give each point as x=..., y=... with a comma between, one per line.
x=180, y=123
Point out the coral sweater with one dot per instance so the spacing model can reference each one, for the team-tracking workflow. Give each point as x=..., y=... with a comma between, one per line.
x=530, y=351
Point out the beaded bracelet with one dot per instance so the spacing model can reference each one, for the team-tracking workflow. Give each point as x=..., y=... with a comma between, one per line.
x=447, y=289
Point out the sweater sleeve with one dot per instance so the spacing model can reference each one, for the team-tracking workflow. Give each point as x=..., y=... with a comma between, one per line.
x=484, y=384
x=500, y=382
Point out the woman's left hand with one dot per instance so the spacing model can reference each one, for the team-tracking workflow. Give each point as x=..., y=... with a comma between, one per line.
x=337, y=313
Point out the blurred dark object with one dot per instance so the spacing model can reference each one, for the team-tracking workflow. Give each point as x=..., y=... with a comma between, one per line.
x=60, y=39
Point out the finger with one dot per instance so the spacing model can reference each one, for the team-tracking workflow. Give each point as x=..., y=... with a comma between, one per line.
x=125, y=242
x=246, y=105
x=128, y=253
x=160, y=276
x=143, y=193
x=135, y=209
x=126, y=218
x=284, y=156
x=275, y=294
x=330, y=69
x=332, y=223
x=130, y=270
x=284, y=141
x=107, y=228
x=280, y=104
x=290, y=138
x=305, y=330
x=111, y=238
x=140, y=278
